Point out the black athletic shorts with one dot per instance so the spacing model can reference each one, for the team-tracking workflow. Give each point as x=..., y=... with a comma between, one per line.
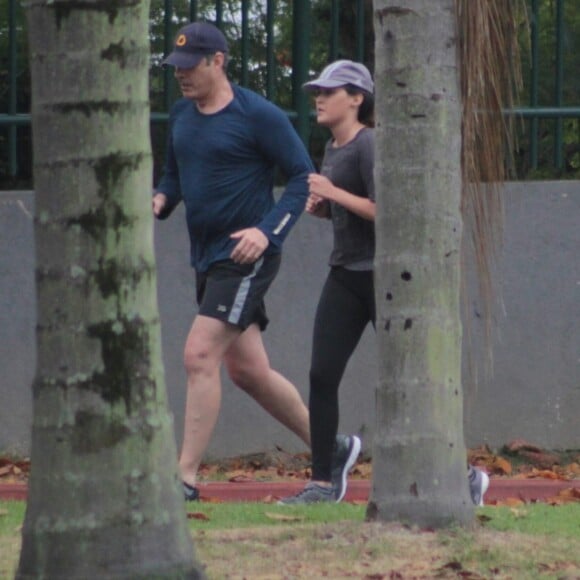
x=234, y=293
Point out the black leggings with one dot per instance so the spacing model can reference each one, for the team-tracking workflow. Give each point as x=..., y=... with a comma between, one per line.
x=346, y=306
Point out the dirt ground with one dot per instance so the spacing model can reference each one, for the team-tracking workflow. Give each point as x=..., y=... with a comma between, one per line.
x=381, y=551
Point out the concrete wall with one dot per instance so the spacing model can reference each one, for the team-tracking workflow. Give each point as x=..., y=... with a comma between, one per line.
x=534, y=392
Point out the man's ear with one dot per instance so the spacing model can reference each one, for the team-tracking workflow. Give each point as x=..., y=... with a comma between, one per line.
x=219, y=59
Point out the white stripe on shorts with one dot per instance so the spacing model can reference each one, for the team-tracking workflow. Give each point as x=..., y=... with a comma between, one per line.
x=242, y=294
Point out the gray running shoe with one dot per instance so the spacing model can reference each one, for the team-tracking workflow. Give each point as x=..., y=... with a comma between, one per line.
x=312, y=493
x=478, y=484
x=191, y=493
x=346, y=450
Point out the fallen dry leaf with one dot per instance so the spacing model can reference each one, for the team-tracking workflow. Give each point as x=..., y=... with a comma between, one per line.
x=541, y=459
x=510, y=502
x=457, y=568
x=284, y=517
x=479, y=455
x=211, y=499
x=519, y=513
x=568, y=495
x=239, y=476
x=453, y=565
x=356, y=501
x=197, y=516
x=301, y=475
x=364, y=470
x=208, y=471
x=557, y=501
x=545, y=474
x=521, y=445
x=269, y=473
x=499, y=466
x=559, y=567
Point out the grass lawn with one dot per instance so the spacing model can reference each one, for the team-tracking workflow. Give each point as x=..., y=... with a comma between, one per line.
x=257, y=540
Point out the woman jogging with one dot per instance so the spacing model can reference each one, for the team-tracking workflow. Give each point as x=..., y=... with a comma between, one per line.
x=344, y=192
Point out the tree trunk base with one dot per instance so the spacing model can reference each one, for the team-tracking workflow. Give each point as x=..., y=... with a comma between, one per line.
x=423, y=513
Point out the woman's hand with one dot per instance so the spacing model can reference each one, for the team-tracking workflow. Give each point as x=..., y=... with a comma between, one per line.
x=321, y=186
x=317, y=206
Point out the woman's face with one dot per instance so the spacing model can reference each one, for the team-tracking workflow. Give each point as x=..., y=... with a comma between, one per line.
x=334, y=106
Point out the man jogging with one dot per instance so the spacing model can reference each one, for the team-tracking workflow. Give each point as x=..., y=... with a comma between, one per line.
x=224, y=145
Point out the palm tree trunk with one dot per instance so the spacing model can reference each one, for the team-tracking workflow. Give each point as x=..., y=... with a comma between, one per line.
x=104, y=496
x=419, y=456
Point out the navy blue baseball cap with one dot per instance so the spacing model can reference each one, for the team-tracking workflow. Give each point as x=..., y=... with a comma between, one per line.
x=195, y=41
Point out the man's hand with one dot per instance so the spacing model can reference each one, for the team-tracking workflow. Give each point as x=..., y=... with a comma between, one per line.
x=159, y=203
x=252, y=244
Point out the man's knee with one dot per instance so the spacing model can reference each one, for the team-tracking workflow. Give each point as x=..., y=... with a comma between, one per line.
x=199, y=361
x=240, y=373
x=246, y=376
x=206, y=345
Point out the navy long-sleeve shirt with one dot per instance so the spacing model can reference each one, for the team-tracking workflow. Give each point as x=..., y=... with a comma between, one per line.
x=222, y=166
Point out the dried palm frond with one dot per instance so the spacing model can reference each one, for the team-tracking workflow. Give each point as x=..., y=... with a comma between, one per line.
x=490, y=76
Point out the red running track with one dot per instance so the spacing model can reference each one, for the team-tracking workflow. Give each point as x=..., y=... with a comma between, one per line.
x=528, y=490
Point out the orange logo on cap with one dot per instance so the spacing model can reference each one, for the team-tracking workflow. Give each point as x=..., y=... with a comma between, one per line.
x=181, y=40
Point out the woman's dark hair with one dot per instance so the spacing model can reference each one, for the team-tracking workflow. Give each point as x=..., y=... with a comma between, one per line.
x=367, y=107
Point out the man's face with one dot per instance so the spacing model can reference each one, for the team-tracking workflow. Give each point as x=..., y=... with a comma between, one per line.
x=198, y=82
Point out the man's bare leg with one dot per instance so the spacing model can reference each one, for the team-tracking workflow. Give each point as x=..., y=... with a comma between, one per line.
x=249, y=368
x=206, y=344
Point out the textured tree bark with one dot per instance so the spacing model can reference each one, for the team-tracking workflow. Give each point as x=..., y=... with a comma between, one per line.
x=419, y=455
x=104, y=495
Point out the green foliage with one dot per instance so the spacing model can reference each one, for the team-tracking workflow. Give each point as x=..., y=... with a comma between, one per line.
x=22, y=72
x=163, y=90
x=255, y=74
x=17, y=71
x=546, y=23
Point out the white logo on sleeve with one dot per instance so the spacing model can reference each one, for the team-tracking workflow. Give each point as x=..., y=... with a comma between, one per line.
x=282, y=224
